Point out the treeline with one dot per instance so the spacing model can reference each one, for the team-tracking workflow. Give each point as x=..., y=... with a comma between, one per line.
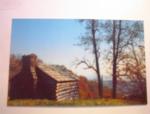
x=88, y=89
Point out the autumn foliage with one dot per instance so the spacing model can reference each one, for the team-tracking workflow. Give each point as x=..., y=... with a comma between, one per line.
x=85, y=91
x=88, y=89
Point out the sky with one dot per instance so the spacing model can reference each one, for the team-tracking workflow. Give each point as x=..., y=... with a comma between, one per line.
x=55, y=38
x=55, y=41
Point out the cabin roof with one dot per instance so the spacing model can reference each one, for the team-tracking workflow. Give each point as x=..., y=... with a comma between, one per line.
x=55, y=74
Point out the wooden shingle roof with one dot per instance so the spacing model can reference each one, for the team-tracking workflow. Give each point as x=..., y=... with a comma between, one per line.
x=54, y=74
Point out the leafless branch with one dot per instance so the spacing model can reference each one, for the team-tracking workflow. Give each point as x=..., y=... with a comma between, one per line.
x=87, y=63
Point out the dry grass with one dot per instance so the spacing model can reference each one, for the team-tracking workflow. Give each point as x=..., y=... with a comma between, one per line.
x=95, y=102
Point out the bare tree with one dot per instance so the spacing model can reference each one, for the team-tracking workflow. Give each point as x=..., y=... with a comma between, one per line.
x=120, y=38
x=118, y=43
x=90, y=39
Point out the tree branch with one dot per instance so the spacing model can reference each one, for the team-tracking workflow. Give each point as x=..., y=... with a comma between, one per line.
x=86, y=62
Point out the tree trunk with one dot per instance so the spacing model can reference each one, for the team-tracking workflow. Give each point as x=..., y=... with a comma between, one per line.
x=100, y=86
x=114, y=78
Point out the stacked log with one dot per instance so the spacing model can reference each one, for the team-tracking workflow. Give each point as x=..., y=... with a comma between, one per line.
x=64, y=91
x=67, y=91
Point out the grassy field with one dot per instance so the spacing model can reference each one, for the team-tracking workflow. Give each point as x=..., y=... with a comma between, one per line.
x=96, y=102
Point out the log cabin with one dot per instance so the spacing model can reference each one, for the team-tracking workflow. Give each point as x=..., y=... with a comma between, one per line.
x=39, y=81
